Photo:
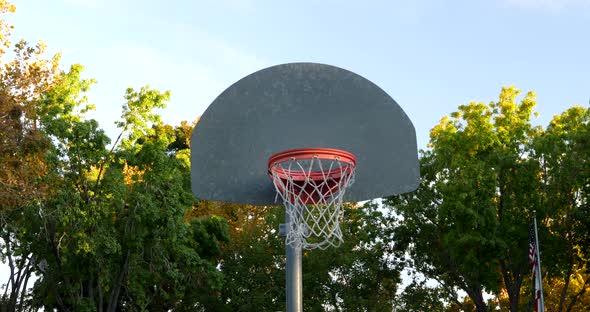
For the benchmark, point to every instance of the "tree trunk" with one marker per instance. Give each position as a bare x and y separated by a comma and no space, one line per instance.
507,282
100,299
114,297
55,250
513,284
472,289
480,305
24,290
514,295
9,306
90,290
20,270
566,284
511,273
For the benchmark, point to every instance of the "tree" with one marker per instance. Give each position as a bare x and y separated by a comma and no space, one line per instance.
252,262
563,152
22,151
112,231
360,275
417,296
467,224
103,228
363,273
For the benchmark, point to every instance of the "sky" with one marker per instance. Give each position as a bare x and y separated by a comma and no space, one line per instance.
430,55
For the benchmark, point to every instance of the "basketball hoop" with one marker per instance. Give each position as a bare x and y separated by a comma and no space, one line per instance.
312,183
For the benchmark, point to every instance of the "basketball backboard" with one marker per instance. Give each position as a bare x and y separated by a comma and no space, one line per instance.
301,105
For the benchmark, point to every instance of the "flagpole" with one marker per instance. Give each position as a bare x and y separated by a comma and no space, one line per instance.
538,261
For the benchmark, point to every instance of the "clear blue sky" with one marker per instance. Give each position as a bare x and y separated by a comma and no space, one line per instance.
429,55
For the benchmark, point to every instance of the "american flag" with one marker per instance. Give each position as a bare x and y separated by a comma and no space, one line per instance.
534,261
532,250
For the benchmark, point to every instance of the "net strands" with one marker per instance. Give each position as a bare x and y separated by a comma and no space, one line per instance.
312,188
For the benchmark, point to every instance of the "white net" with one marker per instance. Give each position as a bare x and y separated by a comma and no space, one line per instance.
312,191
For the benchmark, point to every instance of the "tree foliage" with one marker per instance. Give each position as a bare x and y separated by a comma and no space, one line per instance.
103,228
360,275
563,152
105,225
23,149
487,170
113,229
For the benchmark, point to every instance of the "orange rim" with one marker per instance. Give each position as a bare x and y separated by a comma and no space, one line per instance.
347,159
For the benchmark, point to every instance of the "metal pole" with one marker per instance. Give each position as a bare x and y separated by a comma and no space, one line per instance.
538,261
294,285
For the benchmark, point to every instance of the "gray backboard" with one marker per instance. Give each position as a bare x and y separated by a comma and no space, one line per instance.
300,105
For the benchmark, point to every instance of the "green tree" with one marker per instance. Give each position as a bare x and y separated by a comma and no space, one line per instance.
360,275
563,152
111,234
253,261
467,224
419,296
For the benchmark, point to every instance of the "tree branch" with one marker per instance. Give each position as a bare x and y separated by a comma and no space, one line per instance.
24,285
100,170
578,295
